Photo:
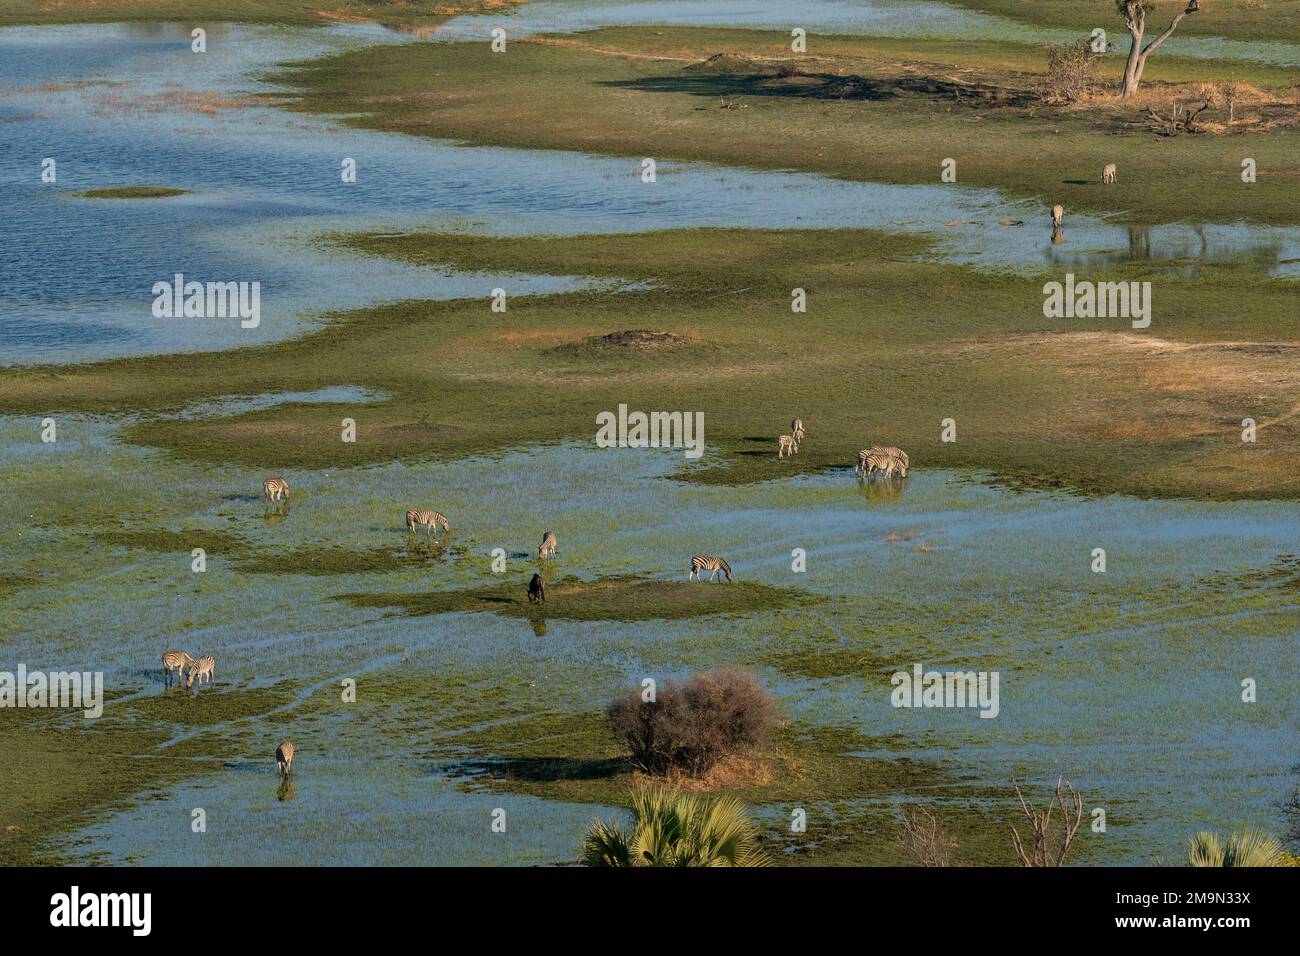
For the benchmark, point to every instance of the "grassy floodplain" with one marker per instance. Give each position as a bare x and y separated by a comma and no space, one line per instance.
404,13
860,108
894,342
133,192
1233,19
1131,411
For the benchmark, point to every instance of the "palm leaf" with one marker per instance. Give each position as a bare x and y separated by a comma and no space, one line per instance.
677,829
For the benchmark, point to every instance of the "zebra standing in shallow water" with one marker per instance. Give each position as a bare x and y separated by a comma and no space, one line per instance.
203,667
879,458
430,519
284,757
707,562
899,456
275,490
175,661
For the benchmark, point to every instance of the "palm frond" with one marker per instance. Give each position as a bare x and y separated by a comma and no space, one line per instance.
677,829
1252,848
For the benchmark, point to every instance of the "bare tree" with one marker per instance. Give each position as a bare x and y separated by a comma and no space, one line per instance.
1135,13
1048,849
924,840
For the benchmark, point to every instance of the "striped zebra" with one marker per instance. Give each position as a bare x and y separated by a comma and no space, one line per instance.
880,458
432,520
175,661
786,445
201,668
707,562
871,460
796,429
899,456
547,548
275,490
284,758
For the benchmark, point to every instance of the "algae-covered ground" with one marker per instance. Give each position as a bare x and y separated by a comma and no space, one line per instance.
1128,410
133,192
416,13
421,688
1236,19
862,108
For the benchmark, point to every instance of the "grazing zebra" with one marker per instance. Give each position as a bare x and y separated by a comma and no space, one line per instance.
201,668
430,519
706,562
275,490
796,429
175,661
284,757
1058,213
879,458
537,590
786,445
547,548
900,458
1108,174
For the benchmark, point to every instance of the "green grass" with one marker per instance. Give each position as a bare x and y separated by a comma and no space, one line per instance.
575,758
132,192
167,542
62,773
609,599
1270,20
294,12
1136,412
858,108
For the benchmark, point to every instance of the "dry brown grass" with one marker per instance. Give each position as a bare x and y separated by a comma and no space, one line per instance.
733,772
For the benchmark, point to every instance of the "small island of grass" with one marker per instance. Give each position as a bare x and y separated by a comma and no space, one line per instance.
132,192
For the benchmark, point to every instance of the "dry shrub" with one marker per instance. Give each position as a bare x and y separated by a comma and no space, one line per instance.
927,843
1071,69
693,725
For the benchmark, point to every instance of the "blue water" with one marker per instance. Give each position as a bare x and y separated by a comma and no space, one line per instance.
141,108
898,18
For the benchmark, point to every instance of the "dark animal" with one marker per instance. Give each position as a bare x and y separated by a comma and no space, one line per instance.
537,590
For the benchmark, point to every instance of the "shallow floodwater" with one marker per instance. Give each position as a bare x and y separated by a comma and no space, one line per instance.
139,107
899,18
1128,681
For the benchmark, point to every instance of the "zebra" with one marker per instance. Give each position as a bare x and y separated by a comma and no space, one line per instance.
900,459
1108,173
1058,213
432,520
175,661
796,429
537,590
786,445
547,548
275,490
705,562
204,666
284,758
879,458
